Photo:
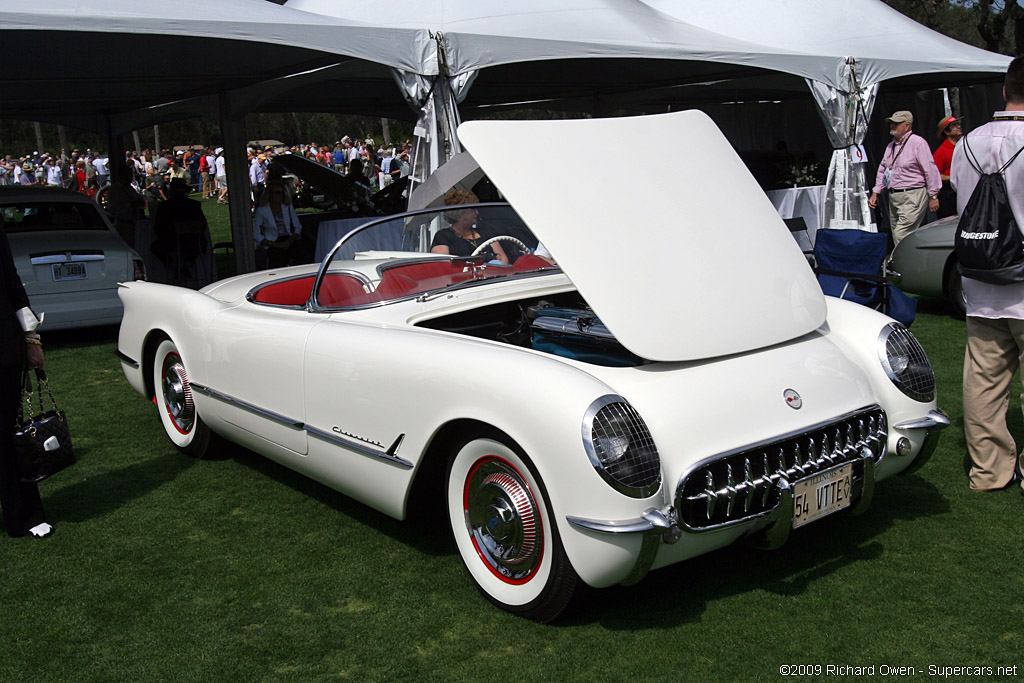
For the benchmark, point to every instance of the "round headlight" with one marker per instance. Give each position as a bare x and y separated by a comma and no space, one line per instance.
905,362
621,448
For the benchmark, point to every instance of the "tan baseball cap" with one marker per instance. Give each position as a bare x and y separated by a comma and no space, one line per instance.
902,116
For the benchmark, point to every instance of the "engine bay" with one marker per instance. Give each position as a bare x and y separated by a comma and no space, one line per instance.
560,324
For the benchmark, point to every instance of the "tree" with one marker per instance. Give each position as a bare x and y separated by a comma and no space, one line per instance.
992,25
996,25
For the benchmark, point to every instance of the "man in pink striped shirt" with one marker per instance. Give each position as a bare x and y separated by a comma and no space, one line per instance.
909,174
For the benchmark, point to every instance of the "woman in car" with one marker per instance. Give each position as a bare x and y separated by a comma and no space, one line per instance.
462,238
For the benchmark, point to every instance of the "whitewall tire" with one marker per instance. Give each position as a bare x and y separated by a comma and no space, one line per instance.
177,410
502,526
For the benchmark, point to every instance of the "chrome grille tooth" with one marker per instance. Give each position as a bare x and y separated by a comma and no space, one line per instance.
730,488
851,442
748,480
710,492
767,482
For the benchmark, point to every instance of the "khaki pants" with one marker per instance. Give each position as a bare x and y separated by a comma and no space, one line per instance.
995,349
907,210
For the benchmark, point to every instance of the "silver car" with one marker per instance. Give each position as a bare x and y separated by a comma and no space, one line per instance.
68,255
926,265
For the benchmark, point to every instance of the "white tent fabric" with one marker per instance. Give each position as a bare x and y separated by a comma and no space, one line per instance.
843,50
485,33
187,48
807,38
885,43
475,35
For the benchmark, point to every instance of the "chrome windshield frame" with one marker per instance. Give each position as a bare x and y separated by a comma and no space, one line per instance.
314,303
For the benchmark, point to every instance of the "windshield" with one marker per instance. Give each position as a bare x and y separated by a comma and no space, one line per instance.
418,253
43,216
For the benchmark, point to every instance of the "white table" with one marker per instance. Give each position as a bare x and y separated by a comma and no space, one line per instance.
804,202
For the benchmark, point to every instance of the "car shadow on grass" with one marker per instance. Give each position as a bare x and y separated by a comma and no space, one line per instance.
100,494
680,593
427,534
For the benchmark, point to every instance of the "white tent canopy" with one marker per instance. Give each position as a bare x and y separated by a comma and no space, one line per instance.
76,61
616,47
885,43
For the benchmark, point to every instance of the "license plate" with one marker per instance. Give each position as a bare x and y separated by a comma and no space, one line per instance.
69,271
822,494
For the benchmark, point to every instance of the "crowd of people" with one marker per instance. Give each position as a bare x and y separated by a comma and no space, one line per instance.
203,168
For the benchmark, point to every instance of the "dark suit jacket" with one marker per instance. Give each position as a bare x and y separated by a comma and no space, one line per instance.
12,299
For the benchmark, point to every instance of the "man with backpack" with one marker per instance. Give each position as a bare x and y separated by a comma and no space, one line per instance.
989,237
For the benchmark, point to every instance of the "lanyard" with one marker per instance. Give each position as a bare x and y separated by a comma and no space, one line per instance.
892,164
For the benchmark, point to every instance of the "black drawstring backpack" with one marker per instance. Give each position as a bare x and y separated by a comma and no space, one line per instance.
988,242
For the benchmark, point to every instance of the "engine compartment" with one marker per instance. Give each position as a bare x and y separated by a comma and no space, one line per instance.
560,324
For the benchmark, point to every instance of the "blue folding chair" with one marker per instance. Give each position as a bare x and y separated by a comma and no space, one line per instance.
851,266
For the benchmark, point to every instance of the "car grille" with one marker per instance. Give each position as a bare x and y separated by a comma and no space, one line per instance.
742,485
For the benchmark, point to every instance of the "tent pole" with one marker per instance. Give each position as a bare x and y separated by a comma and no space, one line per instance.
232,127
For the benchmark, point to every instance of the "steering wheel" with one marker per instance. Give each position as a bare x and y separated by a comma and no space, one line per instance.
498,238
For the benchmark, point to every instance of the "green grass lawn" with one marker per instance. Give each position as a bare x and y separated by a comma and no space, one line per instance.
164,568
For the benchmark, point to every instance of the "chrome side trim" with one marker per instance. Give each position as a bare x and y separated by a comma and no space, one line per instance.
393,448
281,419
386,456
134,364
932,424
64,258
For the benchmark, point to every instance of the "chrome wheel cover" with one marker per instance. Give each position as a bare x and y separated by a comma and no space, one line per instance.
177,394
503,520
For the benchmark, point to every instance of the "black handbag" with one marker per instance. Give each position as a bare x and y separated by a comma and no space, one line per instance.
42,443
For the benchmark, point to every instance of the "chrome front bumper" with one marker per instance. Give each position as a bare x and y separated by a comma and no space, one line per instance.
932,424
766,531
770,529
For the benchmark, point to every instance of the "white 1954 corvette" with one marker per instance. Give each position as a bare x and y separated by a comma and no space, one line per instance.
675,383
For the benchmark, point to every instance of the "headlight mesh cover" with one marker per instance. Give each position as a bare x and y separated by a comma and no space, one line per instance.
906,363
621,448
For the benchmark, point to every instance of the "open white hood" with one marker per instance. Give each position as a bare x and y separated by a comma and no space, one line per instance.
660,226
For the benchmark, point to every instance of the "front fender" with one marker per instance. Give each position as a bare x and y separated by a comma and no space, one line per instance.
152,309
855,329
